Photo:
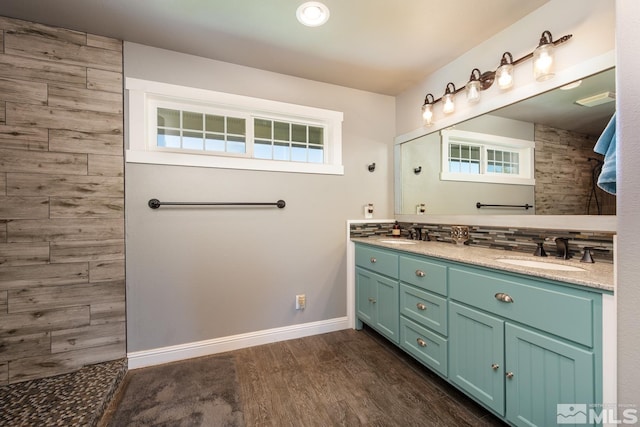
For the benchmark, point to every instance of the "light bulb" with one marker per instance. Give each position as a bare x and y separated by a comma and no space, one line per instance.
504,76
473,91
448,107
543,62
427,114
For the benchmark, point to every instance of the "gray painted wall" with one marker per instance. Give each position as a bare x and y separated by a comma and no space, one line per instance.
198,274
628,267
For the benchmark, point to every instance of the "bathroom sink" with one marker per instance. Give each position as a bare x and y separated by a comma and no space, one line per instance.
539,264
399,242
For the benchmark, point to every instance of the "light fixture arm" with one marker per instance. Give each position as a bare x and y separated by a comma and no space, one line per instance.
450,91
427,101
507,58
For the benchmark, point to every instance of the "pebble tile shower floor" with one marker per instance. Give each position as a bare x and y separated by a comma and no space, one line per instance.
75,399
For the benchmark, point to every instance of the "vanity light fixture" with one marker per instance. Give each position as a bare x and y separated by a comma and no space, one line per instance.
543,60
504,73
474,87
449,106
312,14
543,63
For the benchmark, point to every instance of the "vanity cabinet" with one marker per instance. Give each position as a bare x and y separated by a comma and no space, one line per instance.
517,344
377,291
531,340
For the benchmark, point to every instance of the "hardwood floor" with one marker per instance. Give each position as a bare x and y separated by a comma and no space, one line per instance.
347,378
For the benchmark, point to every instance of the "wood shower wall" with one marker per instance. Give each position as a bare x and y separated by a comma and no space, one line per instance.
62,290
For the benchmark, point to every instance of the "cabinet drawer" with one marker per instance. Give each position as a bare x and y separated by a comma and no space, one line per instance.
423,307
378,260
424,345
567,313
424,274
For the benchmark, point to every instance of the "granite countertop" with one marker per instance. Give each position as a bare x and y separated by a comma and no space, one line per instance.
598,275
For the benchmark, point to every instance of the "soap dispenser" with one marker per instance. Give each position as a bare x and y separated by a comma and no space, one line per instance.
395,231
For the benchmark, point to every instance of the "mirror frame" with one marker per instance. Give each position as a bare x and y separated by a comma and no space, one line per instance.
604,223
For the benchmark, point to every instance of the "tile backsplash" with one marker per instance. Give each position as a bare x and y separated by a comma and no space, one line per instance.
514,239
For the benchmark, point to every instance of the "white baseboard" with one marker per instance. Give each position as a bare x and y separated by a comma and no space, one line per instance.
157,356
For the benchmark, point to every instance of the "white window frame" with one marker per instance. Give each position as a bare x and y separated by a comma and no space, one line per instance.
144,95
524,148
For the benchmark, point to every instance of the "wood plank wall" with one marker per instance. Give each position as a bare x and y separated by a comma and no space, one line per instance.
62,291
563,174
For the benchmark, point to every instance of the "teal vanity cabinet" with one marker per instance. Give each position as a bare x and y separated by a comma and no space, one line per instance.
515,343
377,290
521,345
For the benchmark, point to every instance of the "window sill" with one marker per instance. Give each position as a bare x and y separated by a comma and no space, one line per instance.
491,179
194,160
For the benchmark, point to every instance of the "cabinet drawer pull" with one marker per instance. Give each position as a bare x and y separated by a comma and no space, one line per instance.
420,273
421,306
503,297
372,300
373,260
495,366
421,342
509,375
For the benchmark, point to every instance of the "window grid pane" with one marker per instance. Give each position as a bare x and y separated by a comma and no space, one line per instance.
464,159
189,130
503,162
295,142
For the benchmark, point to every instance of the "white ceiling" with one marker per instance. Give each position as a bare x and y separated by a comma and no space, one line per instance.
381,46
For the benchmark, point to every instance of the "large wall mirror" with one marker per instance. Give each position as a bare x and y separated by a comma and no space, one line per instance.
564,167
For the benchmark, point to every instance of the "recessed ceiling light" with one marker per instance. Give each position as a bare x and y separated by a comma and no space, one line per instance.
312,14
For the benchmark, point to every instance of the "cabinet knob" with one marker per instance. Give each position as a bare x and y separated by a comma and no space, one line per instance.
372,300
509,375
373,260
421,342
503,297
421,306
420,273
495,366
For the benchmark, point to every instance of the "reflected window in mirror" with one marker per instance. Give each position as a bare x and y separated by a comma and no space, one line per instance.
479,157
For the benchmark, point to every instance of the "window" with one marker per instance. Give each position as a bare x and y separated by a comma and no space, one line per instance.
478,157
195,127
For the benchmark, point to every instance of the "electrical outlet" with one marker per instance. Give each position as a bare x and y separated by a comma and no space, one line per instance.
301,302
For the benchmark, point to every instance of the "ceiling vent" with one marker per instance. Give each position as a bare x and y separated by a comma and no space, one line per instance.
601,98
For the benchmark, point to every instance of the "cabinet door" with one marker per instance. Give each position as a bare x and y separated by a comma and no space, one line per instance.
377,303
387,308
476,355
365,294
546,372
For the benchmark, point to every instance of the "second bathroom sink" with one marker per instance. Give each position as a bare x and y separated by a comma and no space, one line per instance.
539,264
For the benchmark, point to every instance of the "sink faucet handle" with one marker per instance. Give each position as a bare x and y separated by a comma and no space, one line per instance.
586,256
540,250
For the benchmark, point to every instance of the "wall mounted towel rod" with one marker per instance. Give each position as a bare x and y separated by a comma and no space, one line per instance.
482,205
155,204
